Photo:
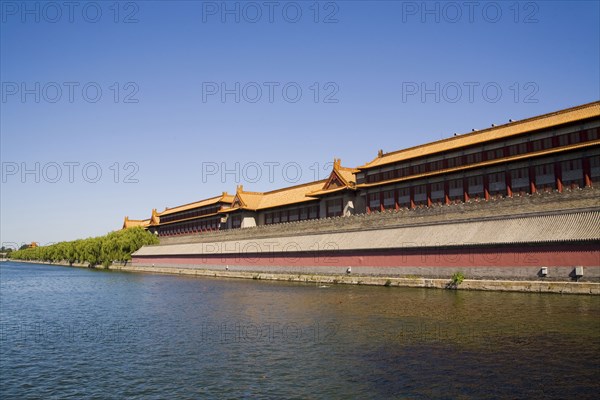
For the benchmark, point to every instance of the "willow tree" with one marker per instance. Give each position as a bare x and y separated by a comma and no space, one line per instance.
115,246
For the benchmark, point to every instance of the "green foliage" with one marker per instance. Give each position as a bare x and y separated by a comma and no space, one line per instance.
115,246
5,249
457,278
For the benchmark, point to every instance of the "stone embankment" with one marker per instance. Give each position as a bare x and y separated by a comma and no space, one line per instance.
562,287
589,288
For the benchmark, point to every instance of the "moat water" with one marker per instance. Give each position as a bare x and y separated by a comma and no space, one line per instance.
81,333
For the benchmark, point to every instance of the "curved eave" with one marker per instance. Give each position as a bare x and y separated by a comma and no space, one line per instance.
230,210
331,191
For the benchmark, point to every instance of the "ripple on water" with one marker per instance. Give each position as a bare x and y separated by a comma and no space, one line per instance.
78,333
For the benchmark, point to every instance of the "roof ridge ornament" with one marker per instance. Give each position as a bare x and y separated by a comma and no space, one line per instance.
380,153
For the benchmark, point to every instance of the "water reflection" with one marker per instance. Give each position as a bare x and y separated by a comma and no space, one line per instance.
70,332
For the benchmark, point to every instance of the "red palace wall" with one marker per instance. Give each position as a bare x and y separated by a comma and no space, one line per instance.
586,255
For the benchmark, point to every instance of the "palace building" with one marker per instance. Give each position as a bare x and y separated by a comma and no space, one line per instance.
548,153
332,197
188,219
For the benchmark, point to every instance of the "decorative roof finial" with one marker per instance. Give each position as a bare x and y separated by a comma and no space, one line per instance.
380,153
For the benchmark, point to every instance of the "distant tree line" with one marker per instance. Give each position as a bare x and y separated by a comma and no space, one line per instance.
101,250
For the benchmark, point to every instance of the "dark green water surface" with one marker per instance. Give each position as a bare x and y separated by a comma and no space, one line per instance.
80,333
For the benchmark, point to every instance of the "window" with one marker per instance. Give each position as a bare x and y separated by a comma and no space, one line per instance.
473,158
517,149
420,189
520,180
437,192
419,169
388,200
574,137
475,185
563,140
572,173
455,162
388,175
455,190
497,183
544,177
494,154
496,177
420,195
304,213
438,186
293,215
519,173
571,165
542,144
455,184
595,169
436,165
546,169
403,197
334,207
374,201
475,180
283,216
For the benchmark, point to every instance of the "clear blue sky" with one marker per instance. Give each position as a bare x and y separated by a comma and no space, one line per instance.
388,76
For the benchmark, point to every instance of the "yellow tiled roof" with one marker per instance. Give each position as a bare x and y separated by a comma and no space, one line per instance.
344,174
291,195
348,174
225,198
250,200
275,198
130,223
499,132
155,218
